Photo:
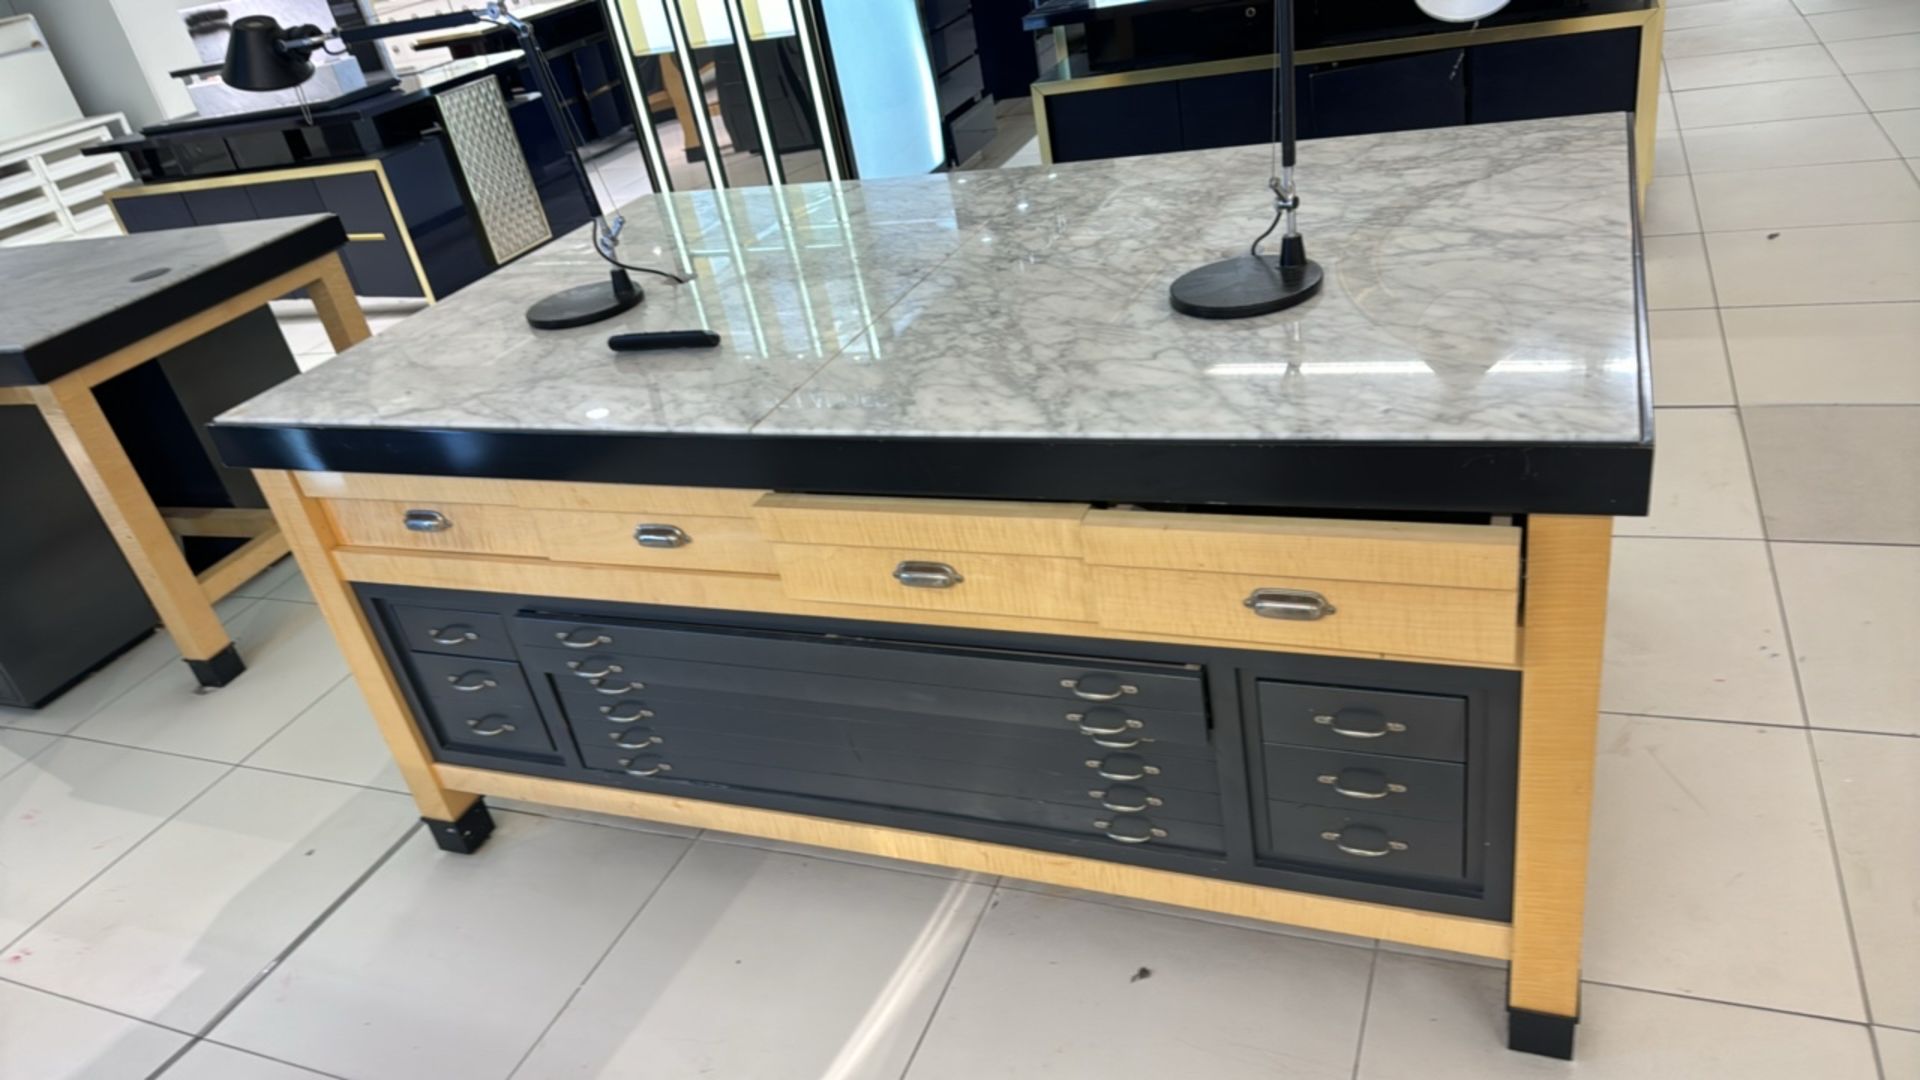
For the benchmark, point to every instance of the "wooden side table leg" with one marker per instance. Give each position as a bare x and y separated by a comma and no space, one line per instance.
87,439
1566,615
458,820
335,303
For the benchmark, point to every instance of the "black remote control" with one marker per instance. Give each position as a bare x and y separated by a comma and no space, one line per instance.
664,339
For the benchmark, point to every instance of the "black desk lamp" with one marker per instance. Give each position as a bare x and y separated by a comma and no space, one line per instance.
263,56
1253,284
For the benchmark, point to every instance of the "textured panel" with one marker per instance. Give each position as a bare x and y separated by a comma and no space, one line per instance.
494,168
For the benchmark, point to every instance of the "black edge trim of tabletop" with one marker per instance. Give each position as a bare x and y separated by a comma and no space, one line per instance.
47,360
1499,478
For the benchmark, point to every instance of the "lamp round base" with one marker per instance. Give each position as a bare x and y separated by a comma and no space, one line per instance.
1243,287
583,304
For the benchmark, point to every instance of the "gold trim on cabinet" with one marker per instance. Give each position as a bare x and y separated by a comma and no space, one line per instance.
303,172
365,237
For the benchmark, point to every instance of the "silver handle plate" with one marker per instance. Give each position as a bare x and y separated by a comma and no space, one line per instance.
926,575
1379,844
469,688
661,536
628,688
451,635
503,728
610,669
625,718
566,638
1297,605
426,521
1342,785
1085,694
1391,727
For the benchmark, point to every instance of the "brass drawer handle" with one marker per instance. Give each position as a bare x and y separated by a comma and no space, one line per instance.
1378,844
567,639
1118,727
1097,695
426,521
454,634
1342,784
503,728
661,536
469,688
626,740
610,669
1326,720
638,713
1298,605
926,575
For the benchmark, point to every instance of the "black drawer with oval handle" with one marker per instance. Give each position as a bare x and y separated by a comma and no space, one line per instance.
1376,721
1174,687
496,729
1407,787
471,683
454,633
1116,725
661,765
1364,842
1184,765
1058,778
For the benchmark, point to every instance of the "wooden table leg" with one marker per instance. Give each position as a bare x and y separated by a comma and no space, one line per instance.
1566,615
88,440
335,303
458,820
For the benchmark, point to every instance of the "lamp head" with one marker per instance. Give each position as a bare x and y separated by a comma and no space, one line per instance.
1460,11
262,56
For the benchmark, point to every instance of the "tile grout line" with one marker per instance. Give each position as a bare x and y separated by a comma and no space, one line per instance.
94,1005
959,959
1761,723
1731,1004
612,944
1366,1010
287,950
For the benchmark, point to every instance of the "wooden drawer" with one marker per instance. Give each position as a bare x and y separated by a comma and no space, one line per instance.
468,527
1023,585
668,540
1472,625
979,525
1407,553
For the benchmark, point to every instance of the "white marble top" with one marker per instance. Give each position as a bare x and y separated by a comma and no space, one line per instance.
1480,287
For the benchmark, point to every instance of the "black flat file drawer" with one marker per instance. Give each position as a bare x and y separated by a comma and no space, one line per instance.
1407,787
671,770
957,737
614,674
455,633
465,683
959,86
1141,684
1030,783
1366,842
950,44
1375,721
492,728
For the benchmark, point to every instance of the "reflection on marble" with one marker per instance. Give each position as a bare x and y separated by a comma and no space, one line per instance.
1480,286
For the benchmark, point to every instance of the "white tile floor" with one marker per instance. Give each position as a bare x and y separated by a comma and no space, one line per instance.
228,886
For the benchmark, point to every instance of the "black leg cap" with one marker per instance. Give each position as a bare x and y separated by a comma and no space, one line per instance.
465,835
220,669
1541,1033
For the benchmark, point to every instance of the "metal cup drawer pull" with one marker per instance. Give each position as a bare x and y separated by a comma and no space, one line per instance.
1131,830
634,739
661,536
926,575
426,521
601,686
1121,768
610,668
481,682
1099,725
569,639
1361,784
1126,799
651,767
628,717
452,634
1086,693
501,728
1364,841
1390,727
1298,605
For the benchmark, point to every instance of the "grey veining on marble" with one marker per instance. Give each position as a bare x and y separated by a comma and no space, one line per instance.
50,289
1481,286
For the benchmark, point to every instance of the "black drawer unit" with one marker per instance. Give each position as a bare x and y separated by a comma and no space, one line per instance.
1378,781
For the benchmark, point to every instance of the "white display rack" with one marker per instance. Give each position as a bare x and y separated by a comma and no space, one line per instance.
49,190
